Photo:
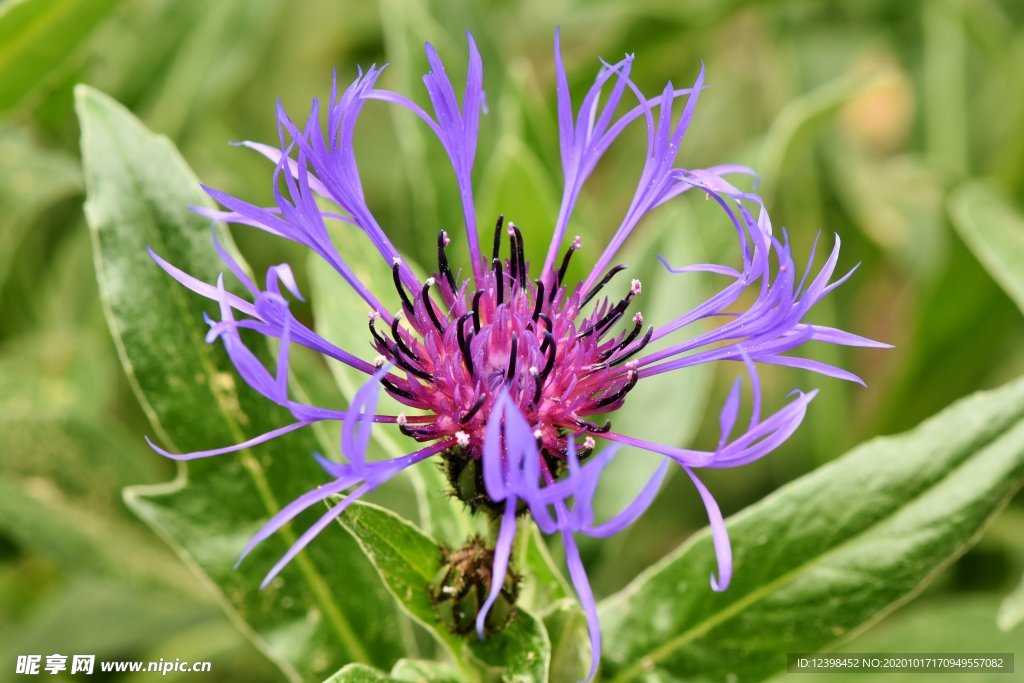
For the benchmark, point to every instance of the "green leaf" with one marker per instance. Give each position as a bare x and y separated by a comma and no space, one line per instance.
328,606
404,671
995,233
359,673
570,643
827,554
417,671
37,37
408,560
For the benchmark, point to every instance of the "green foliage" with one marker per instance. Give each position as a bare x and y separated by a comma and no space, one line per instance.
826,554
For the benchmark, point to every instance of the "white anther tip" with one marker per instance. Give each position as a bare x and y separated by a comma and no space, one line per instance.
635,287
379,361
589,442
462,438
402,420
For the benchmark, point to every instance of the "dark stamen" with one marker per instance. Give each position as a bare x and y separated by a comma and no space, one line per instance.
564,267
547,321
634,376
547,345
420,433
381,341
511,370
636,349
425,296
406,302
396,333
593,428
468,415
394,390
497,238
538,385
637,326
609,319
520,256
513,261
406,365
605,280
538,298
442,259
476,310
499,282
467,356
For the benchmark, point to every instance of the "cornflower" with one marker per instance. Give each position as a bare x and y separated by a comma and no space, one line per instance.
510,373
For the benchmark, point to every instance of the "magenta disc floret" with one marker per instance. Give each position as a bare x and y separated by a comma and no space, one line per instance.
460,343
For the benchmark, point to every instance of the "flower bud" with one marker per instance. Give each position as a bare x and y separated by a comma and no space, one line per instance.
461,587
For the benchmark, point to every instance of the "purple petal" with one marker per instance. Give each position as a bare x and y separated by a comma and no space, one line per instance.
730,409
502,552
719,535
635,509
255,441
312,532
293,509
578,574
202,288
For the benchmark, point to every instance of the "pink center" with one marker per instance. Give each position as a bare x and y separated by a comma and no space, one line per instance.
560,364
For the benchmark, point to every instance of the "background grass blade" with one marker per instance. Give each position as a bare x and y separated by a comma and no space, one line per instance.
994,231
37,37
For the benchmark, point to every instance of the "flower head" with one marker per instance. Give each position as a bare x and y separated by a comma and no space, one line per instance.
513,373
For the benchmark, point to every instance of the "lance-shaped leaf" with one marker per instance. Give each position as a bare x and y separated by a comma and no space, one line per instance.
404,671
827,554
328,607
408,560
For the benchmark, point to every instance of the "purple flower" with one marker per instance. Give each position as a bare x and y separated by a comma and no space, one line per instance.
508,367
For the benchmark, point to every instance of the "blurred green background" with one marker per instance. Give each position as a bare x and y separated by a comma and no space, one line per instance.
864,118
